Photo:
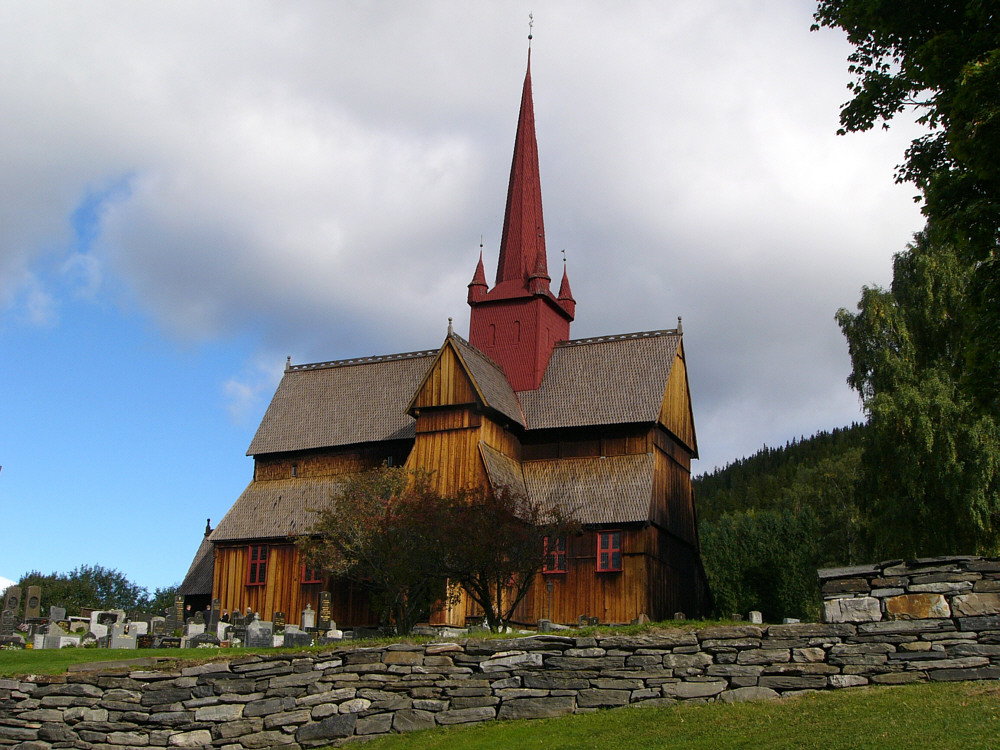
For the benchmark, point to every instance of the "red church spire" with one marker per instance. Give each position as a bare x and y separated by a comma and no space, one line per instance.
519,321
478,286
523,239
566,294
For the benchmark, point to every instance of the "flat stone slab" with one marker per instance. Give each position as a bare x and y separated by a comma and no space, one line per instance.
917,607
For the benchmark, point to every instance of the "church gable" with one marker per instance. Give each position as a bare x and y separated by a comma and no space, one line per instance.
675,411
447,383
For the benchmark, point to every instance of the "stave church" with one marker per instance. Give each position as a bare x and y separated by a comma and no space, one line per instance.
602,425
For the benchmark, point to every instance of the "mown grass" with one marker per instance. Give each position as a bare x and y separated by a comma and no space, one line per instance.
963,716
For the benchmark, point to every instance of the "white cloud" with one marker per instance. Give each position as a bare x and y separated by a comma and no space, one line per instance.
4,583
319,175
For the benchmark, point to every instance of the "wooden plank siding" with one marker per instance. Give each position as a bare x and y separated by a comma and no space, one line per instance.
675,412
446,384
282,590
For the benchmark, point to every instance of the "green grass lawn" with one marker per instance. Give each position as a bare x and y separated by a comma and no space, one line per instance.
963,716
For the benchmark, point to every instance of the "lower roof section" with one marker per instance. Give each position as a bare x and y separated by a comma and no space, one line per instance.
600,490
276,508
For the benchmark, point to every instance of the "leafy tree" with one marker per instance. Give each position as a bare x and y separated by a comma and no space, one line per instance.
931,463
380,533
940,58
763,560
160,600
494,542
87,586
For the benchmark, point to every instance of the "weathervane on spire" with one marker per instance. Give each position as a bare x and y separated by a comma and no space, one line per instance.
531,22
563,251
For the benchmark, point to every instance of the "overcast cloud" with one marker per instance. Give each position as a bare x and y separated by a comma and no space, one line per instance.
317,176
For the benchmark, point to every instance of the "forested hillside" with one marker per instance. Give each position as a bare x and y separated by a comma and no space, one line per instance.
767,522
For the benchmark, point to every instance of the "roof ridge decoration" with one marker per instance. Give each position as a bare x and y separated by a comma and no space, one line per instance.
361,360
619,337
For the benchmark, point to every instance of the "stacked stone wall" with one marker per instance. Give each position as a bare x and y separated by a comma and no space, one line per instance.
311,699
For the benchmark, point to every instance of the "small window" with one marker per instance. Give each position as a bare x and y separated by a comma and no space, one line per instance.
295,470
257,565
311,575
555,555
609,550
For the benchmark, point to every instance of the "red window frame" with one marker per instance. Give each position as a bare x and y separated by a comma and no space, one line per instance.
257,565
609,551
555,555
311,575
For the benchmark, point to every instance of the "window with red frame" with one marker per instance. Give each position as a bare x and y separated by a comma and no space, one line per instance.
555,555
311,575
609,550
257,565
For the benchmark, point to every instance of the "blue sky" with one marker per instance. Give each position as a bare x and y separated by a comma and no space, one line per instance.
216,187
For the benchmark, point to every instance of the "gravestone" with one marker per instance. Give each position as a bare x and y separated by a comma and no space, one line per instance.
158,626
178,610
279,620
144,641
325,611
222,631
56,637
259,635
194,628
12,599
101,631
8,622
198,619
203,639
33,605
214,614
57,613
121,639
138,627
238,620
168,641
108,619
89,640
308,617
296,638
757,618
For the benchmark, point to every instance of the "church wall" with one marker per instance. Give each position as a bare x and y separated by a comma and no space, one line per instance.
282,590
331,462
675,411
613,597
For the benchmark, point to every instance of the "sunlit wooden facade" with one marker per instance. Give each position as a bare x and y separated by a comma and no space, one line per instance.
601,427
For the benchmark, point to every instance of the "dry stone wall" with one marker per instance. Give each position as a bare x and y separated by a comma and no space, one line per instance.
311,699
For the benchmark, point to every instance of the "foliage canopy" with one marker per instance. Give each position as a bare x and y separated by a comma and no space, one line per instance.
94,587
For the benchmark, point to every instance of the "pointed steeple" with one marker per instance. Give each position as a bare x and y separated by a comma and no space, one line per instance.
523,239
478,285
566,294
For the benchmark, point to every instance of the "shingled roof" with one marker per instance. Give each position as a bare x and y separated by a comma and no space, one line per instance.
276,508
601,490
198,580
332,404
607,380
490,379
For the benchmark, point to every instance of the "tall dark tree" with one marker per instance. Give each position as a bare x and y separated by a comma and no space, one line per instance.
87,586
381,533
495,543
940,58
931,464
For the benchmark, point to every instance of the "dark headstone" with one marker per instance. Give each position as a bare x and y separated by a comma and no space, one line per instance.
12,599
297,639
8,622
198,619
203,639
178,610
325,614
279,620
259,635
238,620
158,626
214,614
33,605
168,641
11,641
144,641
